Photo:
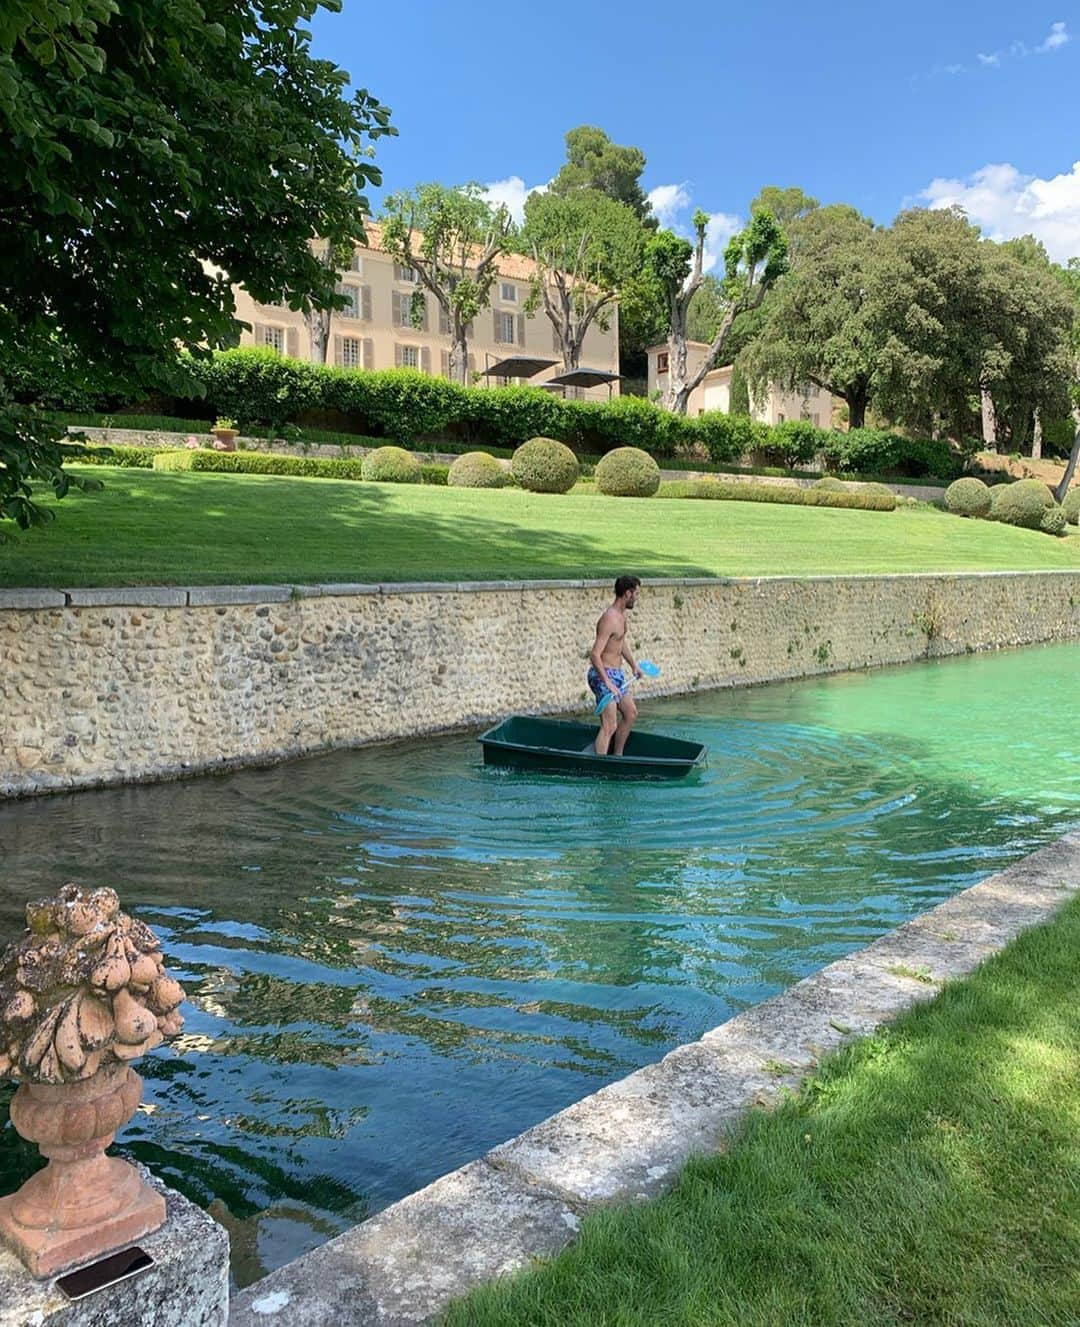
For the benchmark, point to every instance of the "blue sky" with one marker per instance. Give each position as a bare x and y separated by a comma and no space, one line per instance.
879,106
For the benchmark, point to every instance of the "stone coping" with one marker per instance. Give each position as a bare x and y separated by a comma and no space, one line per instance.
628,1141
198,596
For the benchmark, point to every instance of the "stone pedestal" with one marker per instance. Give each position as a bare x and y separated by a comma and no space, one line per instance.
188,1285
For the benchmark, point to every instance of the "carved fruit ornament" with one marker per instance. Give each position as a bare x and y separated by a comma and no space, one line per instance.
83,988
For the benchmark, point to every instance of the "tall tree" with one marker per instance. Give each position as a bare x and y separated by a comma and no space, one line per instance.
790,207
153,155
1069,277
754,260
818,324
452,239
317,317
587,248
594,162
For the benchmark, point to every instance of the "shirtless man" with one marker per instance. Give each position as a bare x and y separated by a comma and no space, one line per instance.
607,675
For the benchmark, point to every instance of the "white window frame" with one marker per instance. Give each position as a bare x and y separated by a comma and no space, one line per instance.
508,292
352,312
408,275
278,343
406,351
357,265
352,352
507,338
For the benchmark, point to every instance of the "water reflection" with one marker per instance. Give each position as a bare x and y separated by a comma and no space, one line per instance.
397,959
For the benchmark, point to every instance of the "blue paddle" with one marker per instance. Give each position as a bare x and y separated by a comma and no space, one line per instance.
647,667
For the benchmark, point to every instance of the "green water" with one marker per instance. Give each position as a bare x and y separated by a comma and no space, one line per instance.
397,958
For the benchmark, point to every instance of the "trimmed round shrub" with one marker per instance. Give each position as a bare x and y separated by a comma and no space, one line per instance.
1021,503
391,465
1054,521
543,465
882,491
830,485
1071,506
627,472
968,497
476,470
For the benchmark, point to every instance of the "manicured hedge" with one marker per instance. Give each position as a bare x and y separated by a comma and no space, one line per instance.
628,472
1022,503
264,463
1071,506
136,458
856,499
262,390
968,497
390,465
543,465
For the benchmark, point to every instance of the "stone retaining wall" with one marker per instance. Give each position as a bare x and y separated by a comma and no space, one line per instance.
102,686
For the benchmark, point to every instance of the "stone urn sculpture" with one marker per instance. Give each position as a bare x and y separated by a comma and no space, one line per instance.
83,993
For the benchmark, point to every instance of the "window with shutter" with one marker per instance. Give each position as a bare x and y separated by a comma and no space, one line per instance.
508,292
520,329
662,362
369,353
365,303
351,294
444,322
410,357
358,262
351,352
272,337
404,274
505,328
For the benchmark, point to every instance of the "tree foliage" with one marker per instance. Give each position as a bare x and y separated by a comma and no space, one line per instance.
588,249
595,163
453,239
754,260
153,155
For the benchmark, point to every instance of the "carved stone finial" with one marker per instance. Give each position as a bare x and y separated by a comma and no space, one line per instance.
83,987
82,993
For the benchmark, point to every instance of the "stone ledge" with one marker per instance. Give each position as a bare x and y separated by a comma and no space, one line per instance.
32,598
207,595
188,1286
136,596
405,1265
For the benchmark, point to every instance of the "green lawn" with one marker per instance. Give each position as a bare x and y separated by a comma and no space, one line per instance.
929,1175
149,527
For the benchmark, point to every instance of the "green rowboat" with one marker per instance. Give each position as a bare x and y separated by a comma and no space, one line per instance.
556,746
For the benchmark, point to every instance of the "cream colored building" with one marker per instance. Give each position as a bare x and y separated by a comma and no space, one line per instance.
376,331
714,391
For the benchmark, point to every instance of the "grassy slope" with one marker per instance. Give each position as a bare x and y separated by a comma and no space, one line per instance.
156,528
929,1175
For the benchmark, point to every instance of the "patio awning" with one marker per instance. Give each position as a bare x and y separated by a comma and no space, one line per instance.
585,378
518,366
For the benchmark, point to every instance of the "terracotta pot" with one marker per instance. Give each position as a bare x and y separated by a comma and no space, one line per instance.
83,1204
227,438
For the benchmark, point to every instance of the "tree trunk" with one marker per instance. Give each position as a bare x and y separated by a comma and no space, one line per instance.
459,357
856,405
989,423
1036,436
1070,469
318,321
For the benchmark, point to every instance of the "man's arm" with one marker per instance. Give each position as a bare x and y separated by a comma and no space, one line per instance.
604,629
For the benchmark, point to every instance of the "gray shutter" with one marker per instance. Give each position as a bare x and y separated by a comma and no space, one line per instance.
397,271
292,343
444,360
339,356
521,329
395,308
260,334
444,322
365,303
397,356
498,329
472,365
425,360
424,321
369,353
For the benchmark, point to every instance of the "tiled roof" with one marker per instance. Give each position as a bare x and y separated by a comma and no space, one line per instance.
513,265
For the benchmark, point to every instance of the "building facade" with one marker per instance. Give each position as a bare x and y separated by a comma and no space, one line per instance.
714,391
375,330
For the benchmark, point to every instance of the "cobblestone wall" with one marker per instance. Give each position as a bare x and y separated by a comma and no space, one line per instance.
105,686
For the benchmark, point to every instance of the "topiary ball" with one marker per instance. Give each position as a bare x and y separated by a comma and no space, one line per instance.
391,465
543,465
476,470
830,485
627,472
1071,506
880,491
1021,503
969,497
1054,521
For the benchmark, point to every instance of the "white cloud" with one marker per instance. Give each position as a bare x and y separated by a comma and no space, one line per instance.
1058,36
512,193
721,227
667,201
1005,203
